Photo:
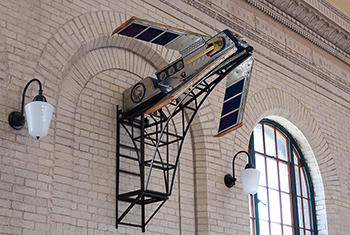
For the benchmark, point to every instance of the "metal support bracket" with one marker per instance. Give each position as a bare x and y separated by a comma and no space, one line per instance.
163,132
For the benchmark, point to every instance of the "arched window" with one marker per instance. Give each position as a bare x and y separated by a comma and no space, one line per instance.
284,204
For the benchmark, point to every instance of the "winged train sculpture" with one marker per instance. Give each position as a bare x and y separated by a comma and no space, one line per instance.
201,57
184,83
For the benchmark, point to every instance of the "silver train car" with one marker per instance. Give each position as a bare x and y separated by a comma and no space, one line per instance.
142,95
200,56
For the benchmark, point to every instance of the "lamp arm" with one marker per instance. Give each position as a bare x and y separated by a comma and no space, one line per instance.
231,179
233,161
25,89
16,119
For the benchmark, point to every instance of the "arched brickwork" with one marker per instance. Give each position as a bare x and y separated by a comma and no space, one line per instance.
200,150
86,32
90,168
292,114
269,103
212,158
83,34
86,74
86,128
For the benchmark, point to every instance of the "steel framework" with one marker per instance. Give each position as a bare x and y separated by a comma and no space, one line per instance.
163,132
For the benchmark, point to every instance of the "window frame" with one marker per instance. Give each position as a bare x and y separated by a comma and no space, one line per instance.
292,144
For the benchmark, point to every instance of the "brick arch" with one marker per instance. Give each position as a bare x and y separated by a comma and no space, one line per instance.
85,136
269,103
86,68
199,131
68,63
72,141
78,37
294,116
83,34
212,159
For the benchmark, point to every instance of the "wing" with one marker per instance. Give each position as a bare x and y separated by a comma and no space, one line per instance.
235,96
160,34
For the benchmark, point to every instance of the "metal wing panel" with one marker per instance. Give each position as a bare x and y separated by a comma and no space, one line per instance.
160,34
235,97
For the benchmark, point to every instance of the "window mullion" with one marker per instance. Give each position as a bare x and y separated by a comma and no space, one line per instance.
311,201
267,182
294,190
279,181
255,197
302,196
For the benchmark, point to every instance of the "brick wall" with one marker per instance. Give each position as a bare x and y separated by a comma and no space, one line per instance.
65,182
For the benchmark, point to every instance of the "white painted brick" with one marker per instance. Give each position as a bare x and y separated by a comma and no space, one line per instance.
34,217
22,223
74,166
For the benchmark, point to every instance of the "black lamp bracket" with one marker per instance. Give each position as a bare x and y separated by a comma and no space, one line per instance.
17,119
231,179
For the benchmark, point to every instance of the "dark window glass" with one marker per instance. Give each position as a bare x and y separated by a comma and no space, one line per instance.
228,120
231,105
234,89
165,38
132,30
149,34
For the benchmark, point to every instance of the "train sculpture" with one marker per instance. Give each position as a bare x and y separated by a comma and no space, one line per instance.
201,57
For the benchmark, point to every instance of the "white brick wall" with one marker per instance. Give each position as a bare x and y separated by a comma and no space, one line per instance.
65,182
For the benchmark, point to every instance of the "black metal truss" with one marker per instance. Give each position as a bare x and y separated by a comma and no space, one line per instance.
155,131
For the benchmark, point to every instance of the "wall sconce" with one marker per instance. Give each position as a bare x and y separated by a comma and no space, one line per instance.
250,176
39,114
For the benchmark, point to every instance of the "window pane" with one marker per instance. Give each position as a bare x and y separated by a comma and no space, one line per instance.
296,159
262,196
251,207
260,165
276,229
282,147
286,209
306,214
284,177
303,183
297,180
300,213
264,227
258,139
272,173
275,206
270,141
276,189
252,226
287,230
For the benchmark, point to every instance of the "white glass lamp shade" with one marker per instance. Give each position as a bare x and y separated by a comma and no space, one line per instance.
38,115
250,180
